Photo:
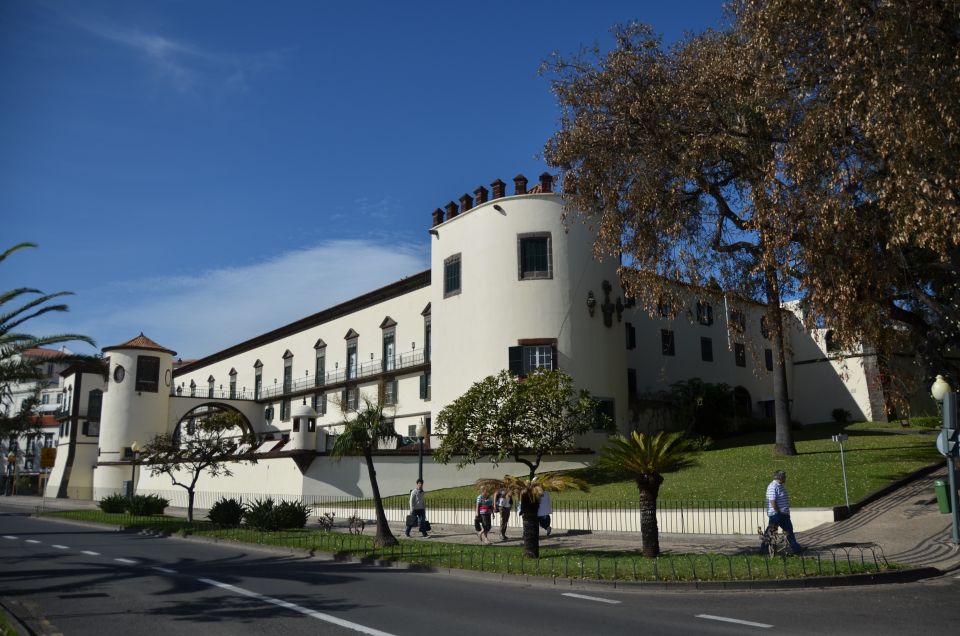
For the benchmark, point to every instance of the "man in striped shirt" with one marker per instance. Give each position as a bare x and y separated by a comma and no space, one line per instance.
778,509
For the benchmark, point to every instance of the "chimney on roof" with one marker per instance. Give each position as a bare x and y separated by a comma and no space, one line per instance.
466,202
499,189
480,194
546,182
451,210
437,217
520,184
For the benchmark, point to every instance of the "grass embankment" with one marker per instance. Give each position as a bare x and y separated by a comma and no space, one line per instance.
739,469
509,559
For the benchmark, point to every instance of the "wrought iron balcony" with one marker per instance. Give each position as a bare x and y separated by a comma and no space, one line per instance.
364,370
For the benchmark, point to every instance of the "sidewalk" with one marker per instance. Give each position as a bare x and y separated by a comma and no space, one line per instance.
906,524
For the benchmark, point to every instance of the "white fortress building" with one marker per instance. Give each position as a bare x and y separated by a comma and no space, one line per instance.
512,284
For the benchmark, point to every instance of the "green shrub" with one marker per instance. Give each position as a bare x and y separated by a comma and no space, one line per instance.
113,504
260,515
840,416
147,505
928,421
291,514
227,512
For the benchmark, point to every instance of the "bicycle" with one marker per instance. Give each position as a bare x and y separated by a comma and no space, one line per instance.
772,541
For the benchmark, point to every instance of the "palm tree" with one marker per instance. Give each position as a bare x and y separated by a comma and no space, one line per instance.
16,365
646,459
528,492
360,436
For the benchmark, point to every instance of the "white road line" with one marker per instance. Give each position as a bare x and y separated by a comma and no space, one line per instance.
90,552
591,598
734,620
130,561
164,570
296,608
60,547
32,541
7,536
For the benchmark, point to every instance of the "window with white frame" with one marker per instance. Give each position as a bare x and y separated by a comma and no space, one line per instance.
534,256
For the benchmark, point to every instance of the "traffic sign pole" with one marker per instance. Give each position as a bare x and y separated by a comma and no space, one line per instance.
950,431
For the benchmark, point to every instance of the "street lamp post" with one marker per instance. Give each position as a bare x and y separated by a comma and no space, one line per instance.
943,394
133,469
421,433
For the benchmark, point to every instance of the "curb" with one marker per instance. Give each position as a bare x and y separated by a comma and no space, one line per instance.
910,575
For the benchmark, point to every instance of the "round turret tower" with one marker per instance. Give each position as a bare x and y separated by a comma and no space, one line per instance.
303,435
135,408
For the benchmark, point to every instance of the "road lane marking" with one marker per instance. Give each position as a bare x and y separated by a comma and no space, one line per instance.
90,552
60,547
7,536
130,561
363,629
733,620
32,541
591,598
164,570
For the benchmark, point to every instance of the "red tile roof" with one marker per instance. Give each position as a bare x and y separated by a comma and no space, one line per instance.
39,352
141,342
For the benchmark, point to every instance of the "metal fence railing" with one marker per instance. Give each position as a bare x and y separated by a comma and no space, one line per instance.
681,517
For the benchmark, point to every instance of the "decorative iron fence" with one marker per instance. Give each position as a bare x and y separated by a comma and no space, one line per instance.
681,517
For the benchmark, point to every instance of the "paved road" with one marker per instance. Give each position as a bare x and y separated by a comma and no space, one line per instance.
90,581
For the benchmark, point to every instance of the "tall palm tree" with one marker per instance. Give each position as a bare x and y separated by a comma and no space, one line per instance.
361,434
528,491
16,365
646,458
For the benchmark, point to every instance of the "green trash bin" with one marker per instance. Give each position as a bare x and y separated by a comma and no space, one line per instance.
943,497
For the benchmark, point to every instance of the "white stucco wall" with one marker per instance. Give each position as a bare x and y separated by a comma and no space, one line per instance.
473,330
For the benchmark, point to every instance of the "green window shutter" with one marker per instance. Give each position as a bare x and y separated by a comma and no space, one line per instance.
515,357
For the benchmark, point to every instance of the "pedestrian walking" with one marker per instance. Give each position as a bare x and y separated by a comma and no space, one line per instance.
504,506
482,521
544,510
778,509
418,511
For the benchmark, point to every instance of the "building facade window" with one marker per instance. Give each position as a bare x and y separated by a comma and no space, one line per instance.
740,354
320,368
535,256
389,349
233,384
631,336
425,386
706,349
828,341
738,321
352,358
211,383
148,373
284,410
667,344
426,338
350,397
94,404
764,327
287,372
45,398
451,276
257,379
390,390
704,313
193,388
526,358
768,359
605,415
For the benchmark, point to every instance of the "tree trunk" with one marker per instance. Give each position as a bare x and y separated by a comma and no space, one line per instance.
781,397
649,489
531,530
190,495
384,537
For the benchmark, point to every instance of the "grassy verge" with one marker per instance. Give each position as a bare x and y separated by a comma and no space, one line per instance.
577,564
739,469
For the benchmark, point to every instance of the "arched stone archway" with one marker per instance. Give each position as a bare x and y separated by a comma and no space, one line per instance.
208,408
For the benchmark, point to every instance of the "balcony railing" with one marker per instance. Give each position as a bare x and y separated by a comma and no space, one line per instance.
215,394
365,370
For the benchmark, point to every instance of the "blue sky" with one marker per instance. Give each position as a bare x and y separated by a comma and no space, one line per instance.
204,171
